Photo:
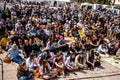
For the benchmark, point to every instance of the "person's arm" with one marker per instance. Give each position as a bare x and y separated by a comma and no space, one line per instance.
59,65
52,55
76,51
67,61
41,70
49,67
35,62
59,42
70,52
84,61
25,56
93,44
29,63
8,53
98,42
7,46
76,59
88,59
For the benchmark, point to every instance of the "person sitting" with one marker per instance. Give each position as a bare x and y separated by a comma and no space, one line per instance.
117,57
37,47
62,45
46,72
46,54
13,53
58,63
32,32
23,73
54,48
80,60
27,48
97,59
102,49
72,49
31,62
90,59
79,46
70,63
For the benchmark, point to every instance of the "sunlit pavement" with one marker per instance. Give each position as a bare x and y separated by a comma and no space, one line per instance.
106,72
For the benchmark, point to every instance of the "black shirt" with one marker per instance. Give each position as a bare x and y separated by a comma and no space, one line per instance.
27,49
2,32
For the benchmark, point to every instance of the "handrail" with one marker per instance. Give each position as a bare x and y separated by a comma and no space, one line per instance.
2,68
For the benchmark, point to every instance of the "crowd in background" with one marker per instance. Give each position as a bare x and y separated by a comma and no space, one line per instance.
40,33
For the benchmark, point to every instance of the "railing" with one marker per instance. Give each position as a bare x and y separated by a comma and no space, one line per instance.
1,63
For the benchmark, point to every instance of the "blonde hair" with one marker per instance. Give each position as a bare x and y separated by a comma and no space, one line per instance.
14,46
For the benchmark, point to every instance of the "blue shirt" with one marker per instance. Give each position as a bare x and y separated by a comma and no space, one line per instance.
13,53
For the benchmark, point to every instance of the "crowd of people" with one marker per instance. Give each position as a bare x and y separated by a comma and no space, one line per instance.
39,33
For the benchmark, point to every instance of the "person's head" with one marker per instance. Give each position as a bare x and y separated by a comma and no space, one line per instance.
55,45
72,56
38,42
8,20
59,55
45,64
26,42
32,56
103,45
14,46
81,54
73,45
22,65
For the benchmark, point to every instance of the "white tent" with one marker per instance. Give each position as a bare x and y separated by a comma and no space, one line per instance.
46,0
63,0
35,0
51,2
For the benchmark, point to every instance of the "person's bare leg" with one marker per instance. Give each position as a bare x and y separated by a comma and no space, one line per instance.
46,77
75,68
53,75
70,68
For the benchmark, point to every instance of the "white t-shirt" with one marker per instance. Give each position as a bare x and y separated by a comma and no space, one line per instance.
31,64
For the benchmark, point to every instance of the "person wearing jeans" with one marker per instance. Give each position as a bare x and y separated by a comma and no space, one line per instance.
31,62
23,73
13,53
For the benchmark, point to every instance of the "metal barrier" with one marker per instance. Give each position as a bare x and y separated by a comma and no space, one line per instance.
1,63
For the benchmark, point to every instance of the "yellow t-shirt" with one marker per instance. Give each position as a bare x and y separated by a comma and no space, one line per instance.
4,41
81,33
92,32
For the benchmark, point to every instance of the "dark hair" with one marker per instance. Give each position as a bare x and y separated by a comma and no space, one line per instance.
22,64
72,59
32,55
92,54
44,62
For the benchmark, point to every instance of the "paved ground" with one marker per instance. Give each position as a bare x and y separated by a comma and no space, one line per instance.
106,72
